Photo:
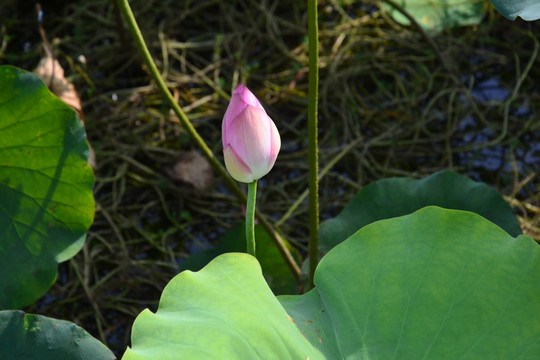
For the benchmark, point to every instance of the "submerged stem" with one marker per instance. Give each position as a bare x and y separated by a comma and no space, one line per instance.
250,217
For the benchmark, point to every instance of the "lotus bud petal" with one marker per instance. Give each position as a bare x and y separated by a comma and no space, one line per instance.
251,141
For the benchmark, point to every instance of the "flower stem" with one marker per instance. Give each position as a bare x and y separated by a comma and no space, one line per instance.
250,217
160,83
313,155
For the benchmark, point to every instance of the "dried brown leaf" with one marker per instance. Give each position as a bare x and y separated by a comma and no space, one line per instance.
52,74
191,168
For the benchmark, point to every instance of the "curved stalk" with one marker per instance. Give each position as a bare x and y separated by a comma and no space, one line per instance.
220,169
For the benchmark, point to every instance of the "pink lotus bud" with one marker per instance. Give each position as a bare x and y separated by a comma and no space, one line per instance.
251,140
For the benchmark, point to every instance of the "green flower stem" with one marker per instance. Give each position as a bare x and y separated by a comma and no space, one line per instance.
313,156
250,217
160,83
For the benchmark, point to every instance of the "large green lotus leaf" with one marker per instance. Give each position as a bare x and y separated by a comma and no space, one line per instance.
526,9
224,311
275,270
437,15
27,337
394,197
436,284
46,202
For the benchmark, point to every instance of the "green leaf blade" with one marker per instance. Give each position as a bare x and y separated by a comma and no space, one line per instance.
27,337
394,197
434,284
225,311
528,10
47,203
437,15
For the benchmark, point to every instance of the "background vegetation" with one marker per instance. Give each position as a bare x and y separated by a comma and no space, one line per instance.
391,104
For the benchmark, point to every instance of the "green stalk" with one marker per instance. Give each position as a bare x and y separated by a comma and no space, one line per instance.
313,157
250,217
160,83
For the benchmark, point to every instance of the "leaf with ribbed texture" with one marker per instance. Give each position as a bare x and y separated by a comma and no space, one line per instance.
393,197
35,337
46,206
224,311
